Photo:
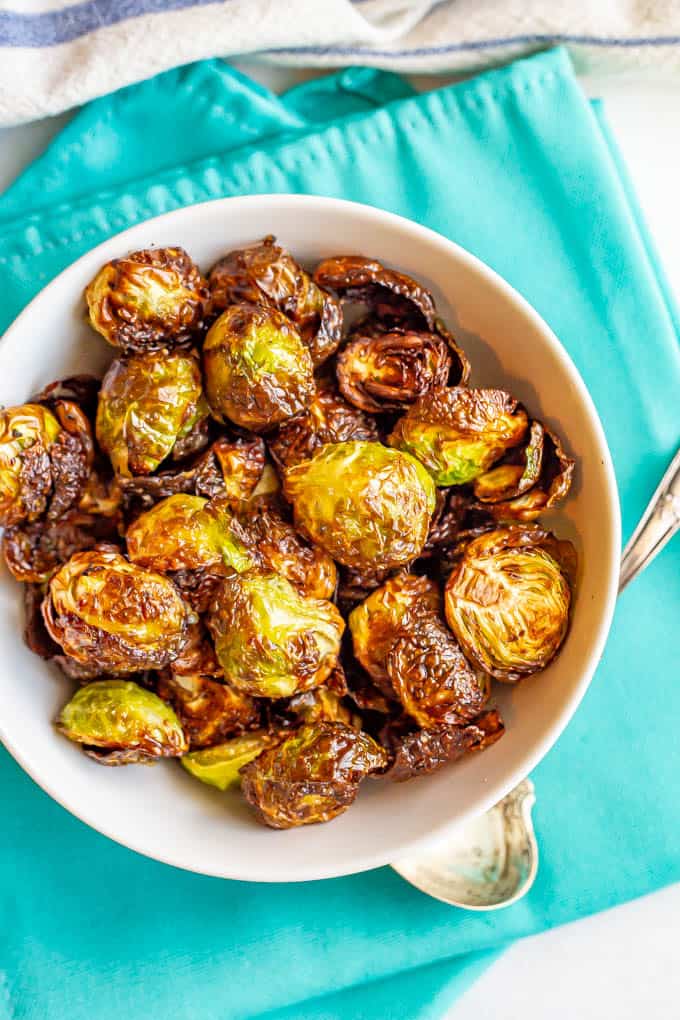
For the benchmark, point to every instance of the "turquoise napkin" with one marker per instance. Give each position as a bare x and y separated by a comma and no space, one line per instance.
520,169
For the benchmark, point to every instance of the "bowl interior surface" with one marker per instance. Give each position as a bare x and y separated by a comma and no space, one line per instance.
162,811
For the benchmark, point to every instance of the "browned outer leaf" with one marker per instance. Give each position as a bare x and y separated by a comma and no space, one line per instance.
34,551
327,419
391,293
419,752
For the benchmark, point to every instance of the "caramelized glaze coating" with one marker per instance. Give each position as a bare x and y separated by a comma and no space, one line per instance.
148,300
266,274
313,775
113,616
507,600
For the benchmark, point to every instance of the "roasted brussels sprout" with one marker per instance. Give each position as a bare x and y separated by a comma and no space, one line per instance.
34,551
119,715
113,615
188,533
257,370
271,641
385,370
458,433
44,461
266,274
35,633
393,295
82,390
432,678
328,419
146,403
221,764
529,480
312,775
209,711
318,705
391,610
368,506
277,547
149,300
417,752
507,600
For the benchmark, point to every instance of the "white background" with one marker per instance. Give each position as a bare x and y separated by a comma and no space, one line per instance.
624,963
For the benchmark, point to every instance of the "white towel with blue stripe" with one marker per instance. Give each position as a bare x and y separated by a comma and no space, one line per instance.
55,54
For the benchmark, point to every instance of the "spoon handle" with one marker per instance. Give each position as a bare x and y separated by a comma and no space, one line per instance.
658,524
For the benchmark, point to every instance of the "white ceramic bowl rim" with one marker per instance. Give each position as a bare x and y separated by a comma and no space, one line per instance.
142,235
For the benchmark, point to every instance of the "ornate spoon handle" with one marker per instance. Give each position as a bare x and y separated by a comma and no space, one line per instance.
657,526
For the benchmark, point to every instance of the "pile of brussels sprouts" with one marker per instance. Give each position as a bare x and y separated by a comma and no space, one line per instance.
289,552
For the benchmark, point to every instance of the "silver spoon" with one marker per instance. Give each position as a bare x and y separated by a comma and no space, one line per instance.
492,861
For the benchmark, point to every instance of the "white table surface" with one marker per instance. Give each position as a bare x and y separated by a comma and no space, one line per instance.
623,963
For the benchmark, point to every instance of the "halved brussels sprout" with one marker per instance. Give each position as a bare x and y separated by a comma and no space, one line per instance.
312,775
386,370
368,506
186,532
393,295
210,711
529,480
33,552
121,715
327,419
278,548
113,615
257,370
432,678
36,461
418,752
221,764
146,403
266,274
377,623
271,641
150,299
458,433
507,600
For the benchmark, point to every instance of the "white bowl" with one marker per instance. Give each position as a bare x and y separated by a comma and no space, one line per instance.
164,813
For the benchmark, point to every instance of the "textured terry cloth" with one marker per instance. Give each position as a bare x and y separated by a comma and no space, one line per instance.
55,54
517,167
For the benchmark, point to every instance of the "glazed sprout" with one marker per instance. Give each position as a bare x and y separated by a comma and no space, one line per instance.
458,433
266,274
376,624
279,549
270,640
210,711
432,678
33,552
368,506
114,616
42,462
118,715
418,752
392,295
507,600
149,300
147,403
529,480
221,764
186,532
381,370
257,370
313,775
327,419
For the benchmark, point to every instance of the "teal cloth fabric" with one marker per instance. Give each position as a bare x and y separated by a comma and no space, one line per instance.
519,168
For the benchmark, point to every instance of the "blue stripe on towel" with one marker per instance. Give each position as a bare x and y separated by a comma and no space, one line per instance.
53,27
483,44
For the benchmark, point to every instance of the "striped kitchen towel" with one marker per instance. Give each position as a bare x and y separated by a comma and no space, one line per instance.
55,54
